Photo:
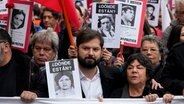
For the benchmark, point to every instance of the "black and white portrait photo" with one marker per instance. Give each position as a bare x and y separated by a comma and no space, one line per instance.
64,84
150,12
63,79
128,15
18,19
106,26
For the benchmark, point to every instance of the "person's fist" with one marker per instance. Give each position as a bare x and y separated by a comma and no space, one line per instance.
28,96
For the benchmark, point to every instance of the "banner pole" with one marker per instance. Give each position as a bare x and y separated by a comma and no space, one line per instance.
66,20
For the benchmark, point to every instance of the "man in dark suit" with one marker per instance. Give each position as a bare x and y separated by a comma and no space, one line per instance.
96,81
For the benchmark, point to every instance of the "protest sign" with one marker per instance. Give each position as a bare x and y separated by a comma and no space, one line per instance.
19,24
103,20
131,21
63,79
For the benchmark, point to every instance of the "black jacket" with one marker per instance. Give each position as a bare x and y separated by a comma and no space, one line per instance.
24,71
41,87
124,92
64,44
108,81
158,72
173,72
26,74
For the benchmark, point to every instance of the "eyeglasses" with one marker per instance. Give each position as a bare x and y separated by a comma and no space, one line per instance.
150,50
44,49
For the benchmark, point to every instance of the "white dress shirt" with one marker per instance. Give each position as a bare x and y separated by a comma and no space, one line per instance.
92,88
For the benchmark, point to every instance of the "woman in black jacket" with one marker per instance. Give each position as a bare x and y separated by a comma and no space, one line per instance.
138,72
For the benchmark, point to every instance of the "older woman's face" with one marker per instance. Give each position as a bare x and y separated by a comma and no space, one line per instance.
43,52
151,50
136,73
64,82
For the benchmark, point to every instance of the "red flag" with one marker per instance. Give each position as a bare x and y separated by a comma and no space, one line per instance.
72,13
68,5
52,4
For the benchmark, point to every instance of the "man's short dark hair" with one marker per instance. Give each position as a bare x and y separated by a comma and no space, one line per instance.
149,5
87,35
4,36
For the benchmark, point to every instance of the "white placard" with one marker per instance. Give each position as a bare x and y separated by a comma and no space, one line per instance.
19,24
131,21
103,20
3,9
63,79
153,10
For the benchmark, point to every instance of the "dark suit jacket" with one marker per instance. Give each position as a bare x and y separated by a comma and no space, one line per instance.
64,44
124,92
172,77
107,80
24,71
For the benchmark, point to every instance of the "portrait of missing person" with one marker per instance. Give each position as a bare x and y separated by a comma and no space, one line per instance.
150,12
106,26
128,15
65,84
18,19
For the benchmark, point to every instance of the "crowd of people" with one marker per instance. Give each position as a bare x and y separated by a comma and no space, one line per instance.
154,70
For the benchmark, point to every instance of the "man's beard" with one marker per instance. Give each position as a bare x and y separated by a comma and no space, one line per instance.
88,62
